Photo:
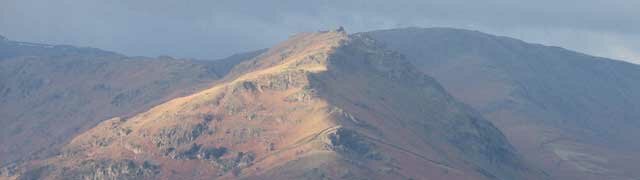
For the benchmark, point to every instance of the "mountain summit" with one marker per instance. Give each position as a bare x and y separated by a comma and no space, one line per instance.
319,105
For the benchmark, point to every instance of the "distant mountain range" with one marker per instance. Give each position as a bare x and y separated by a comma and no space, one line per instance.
412,103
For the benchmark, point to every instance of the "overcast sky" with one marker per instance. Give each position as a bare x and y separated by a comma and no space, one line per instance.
210,29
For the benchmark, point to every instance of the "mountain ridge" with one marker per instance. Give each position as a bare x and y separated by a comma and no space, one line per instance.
401,103
309,97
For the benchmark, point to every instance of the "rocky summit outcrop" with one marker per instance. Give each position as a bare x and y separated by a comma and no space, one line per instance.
321,105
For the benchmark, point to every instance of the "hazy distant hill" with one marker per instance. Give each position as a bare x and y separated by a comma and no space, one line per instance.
49,93
578,116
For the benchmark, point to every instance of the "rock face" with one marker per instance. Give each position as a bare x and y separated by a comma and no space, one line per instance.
574,115
50,93
320,105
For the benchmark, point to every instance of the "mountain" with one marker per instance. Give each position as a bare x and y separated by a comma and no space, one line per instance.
13,49
574,115
50,93
321,105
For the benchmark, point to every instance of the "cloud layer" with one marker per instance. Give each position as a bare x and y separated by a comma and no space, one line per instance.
216,28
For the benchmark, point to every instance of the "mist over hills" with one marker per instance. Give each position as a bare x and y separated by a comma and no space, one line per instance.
413,103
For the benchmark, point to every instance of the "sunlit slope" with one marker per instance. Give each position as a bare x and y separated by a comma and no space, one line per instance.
50,93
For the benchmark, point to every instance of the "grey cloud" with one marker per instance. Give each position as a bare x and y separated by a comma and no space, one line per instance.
216,28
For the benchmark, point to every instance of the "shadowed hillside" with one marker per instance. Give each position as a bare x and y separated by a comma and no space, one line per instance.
576,115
